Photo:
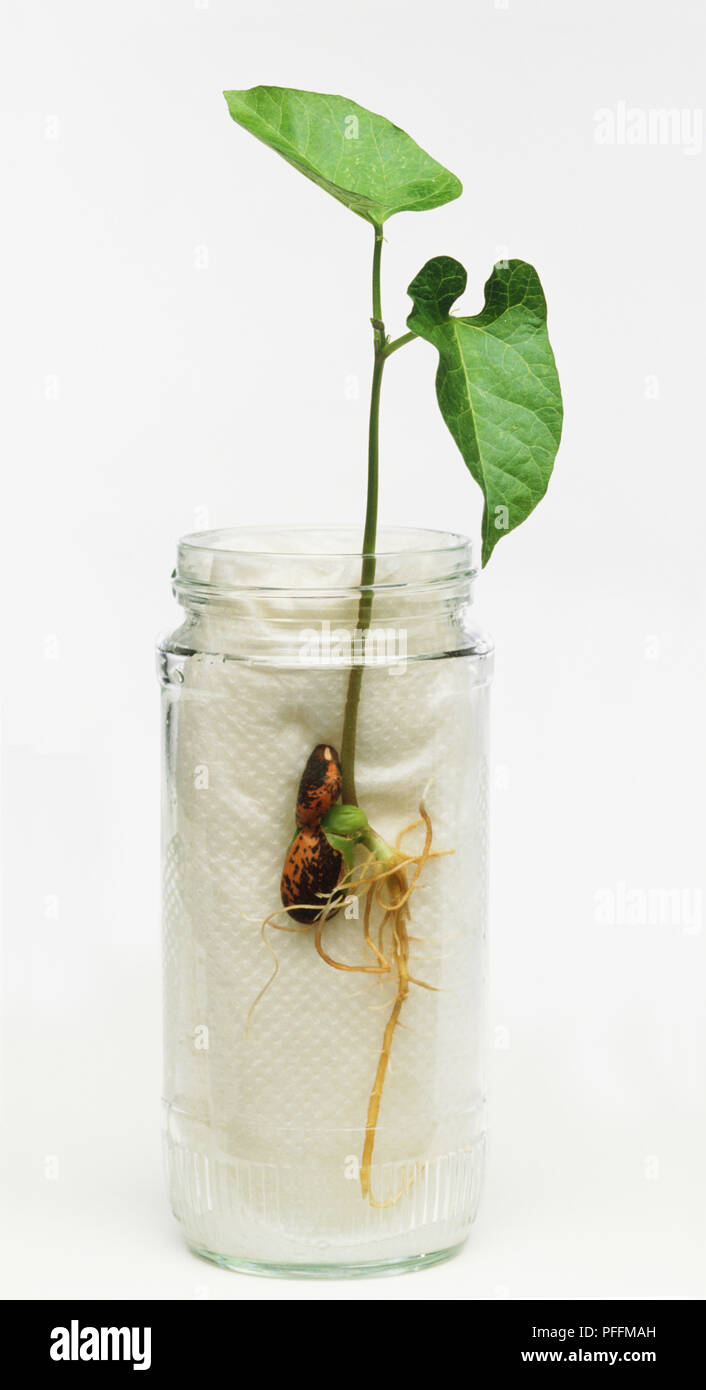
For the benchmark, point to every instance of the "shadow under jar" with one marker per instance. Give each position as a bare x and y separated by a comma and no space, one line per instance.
322,1120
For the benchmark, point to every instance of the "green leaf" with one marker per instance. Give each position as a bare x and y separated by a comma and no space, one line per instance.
496,384
343,825
345,847
359,158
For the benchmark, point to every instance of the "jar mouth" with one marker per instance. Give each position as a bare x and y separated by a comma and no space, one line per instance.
318,560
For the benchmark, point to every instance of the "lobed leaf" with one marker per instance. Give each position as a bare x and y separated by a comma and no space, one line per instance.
496,384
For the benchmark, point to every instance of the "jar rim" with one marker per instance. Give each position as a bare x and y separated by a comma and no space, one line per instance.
215,540
292,558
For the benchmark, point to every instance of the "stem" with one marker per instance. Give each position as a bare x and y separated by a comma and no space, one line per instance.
398,343
382,350
368,559
377,257
373,842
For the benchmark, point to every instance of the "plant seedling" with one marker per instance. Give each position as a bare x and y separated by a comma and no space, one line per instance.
496,382
498,392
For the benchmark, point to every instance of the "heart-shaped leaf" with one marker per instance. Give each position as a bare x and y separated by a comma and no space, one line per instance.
361,159
497,384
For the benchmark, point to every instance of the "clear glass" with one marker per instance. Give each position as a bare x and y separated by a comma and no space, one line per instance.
322,1120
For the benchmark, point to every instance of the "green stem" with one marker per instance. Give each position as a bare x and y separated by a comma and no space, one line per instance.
373,842
382,350
377,298
368,559
398,343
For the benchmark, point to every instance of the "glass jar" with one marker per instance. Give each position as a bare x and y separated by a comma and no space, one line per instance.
323,1101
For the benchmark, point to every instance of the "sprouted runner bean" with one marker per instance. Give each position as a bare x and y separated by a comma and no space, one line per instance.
258,1144
499,393
319,867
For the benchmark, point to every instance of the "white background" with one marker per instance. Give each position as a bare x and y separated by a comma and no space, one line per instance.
185,321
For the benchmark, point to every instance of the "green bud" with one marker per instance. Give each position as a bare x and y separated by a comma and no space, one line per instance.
344,820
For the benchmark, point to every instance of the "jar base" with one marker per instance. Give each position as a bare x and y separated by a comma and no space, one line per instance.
367,1269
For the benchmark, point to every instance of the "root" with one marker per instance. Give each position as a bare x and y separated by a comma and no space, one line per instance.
339,965
385,884
376,950
266,986
401,949
396,913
